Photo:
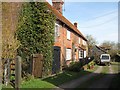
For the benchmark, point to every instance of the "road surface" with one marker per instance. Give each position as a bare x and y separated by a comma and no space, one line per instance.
108,73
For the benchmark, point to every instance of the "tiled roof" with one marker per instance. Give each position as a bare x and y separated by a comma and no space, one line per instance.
64,20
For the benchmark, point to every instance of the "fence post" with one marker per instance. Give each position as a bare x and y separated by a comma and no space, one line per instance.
17,72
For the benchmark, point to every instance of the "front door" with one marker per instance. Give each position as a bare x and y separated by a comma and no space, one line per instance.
56,60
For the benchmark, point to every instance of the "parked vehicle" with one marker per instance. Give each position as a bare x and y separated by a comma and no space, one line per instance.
105,59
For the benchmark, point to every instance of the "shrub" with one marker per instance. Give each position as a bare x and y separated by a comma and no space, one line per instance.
91,64
75,67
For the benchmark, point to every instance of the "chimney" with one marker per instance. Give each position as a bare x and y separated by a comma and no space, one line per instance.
57,4
75,24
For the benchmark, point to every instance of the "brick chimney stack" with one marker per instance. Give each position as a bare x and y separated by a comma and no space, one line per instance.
75,24
57,4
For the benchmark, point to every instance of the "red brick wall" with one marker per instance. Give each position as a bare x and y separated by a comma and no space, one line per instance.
64,43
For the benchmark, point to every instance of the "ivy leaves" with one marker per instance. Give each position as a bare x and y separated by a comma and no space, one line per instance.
36,32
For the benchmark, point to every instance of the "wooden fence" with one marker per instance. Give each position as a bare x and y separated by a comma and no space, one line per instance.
12,71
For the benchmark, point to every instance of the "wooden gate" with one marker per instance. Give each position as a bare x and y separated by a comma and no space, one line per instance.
37,65
56,60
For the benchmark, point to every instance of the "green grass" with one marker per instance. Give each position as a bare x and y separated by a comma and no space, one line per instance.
65,77
92,70
53,81
8,87
105,70
33,83
56,80
68,76
115,66
36,83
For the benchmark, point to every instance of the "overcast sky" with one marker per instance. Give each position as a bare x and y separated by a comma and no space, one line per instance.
99,19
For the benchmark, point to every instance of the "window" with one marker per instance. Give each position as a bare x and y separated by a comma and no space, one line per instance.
57,32
84,42
81,54
84,54
105,57
79,40
68,54
68,34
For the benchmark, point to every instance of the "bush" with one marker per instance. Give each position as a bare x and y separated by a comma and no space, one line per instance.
91,64
28,77
74,66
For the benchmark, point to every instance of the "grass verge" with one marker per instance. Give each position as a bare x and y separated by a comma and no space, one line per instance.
68,76
52,82
92,70
36,83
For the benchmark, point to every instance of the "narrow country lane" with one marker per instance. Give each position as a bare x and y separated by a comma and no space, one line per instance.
105,81
101,78
75,83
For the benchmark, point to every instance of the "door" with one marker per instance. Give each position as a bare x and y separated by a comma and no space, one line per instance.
56,60
37,65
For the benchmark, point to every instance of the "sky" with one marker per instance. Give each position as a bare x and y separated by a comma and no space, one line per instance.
99,19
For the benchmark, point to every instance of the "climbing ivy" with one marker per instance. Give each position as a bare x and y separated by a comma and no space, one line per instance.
36,32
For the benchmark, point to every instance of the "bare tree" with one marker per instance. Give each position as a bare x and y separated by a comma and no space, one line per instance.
9,23
91,43
111,47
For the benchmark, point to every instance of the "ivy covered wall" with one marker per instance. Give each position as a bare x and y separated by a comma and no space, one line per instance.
36,32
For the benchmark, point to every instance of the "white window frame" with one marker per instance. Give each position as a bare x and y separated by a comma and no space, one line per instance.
68,34
79,40
84,42
57,30
84,54
68,54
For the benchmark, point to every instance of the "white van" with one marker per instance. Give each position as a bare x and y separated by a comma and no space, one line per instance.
105,59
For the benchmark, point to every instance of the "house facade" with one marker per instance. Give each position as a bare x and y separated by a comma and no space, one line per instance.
70,42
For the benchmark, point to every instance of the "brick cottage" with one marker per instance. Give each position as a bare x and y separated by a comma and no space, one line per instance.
70,44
